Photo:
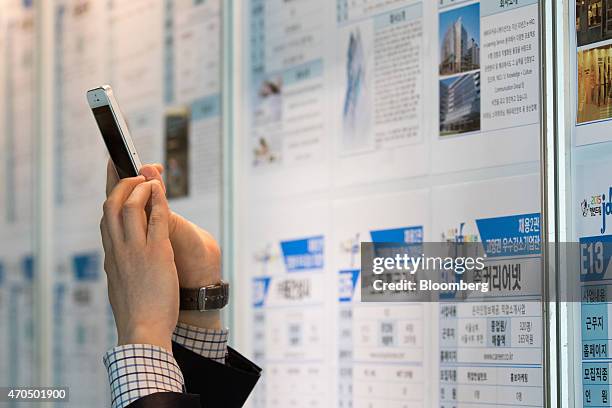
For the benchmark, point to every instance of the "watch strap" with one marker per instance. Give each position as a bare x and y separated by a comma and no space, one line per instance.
211,297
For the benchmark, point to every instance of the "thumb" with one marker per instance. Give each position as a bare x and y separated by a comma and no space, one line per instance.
153,172
158,219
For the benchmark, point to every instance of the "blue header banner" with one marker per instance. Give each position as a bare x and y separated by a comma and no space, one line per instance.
513,235
595,257
348,283
206,107
86,267
303,254
261,285
408,235
28,268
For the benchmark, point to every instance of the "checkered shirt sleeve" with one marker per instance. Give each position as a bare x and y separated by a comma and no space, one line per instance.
137,370
209,343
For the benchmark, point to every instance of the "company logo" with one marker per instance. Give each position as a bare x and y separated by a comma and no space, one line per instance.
458,235
266,256
606,209
591,206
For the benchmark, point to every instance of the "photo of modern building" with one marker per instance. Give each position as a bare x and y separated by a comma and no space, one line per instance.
459,40
593,21
460,104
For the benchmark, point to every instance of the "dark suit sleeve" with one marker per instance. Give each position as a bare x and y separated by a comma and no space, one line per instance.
209,384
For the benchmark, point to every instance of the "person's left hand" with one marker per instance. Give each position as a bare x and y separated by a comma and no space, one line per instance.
196,253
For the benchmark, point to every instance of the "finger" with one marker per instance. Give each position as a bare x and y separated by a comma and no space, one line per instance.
153,172
158,220
114,204
111,177
134,216
107,245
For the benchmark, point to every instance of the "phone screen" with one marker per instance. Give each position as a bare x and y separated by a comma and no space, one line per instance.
114,142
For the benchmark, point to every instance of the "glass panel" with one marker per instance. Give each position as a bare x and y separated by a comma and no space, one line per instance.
162,59
590,147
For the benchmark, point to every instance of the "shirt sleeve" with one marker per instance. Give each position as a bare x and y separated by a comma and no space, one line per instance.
137,370
208,343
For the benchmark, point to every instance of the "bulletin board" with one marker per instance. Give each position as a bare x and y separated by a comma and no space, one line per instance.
388,121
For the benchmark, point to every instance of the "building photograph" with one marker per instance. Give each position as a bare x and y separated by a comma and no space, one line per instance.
460,104
594,84
593,21
460,40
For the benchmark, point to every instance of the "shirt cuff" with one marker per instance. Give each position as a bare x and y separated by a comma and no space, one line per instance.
208,343
137,370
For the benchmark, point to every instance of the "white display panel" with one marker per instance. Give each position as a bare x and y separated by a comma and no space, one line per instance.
83,326
383,350
18,111
358,110
491,351
378,109
588,47
506,79
192,82
18,344
593,276
291,333
81,55
162,59
284,100
18,25
135,72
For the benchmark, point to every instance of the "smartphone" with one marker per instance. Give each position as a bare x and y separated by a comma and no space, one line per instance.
114,131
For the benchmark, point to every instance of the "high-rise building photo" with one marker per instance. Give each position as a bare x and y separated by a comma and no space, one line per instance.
459,40
460,104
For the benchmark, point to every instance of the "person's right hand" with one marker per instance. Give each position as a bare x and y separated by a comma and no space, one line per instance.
196,252
139,262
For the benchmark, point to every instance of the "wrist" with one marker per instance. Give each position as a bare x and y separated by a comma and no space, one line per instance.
146,336
210,319
199,279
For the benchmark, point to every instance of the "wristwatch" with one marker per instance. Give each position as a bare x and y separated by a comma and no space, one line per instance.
211,297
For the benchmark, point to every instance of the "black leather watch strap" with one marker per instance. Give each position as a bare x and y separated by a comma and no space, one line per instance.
212,297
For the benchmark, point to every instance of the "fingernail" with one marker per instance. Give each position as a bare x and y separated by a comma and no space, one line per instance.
148,172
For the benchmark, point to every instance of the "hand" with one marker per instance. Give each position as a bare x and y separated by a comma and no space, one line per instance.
196,253
139,263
